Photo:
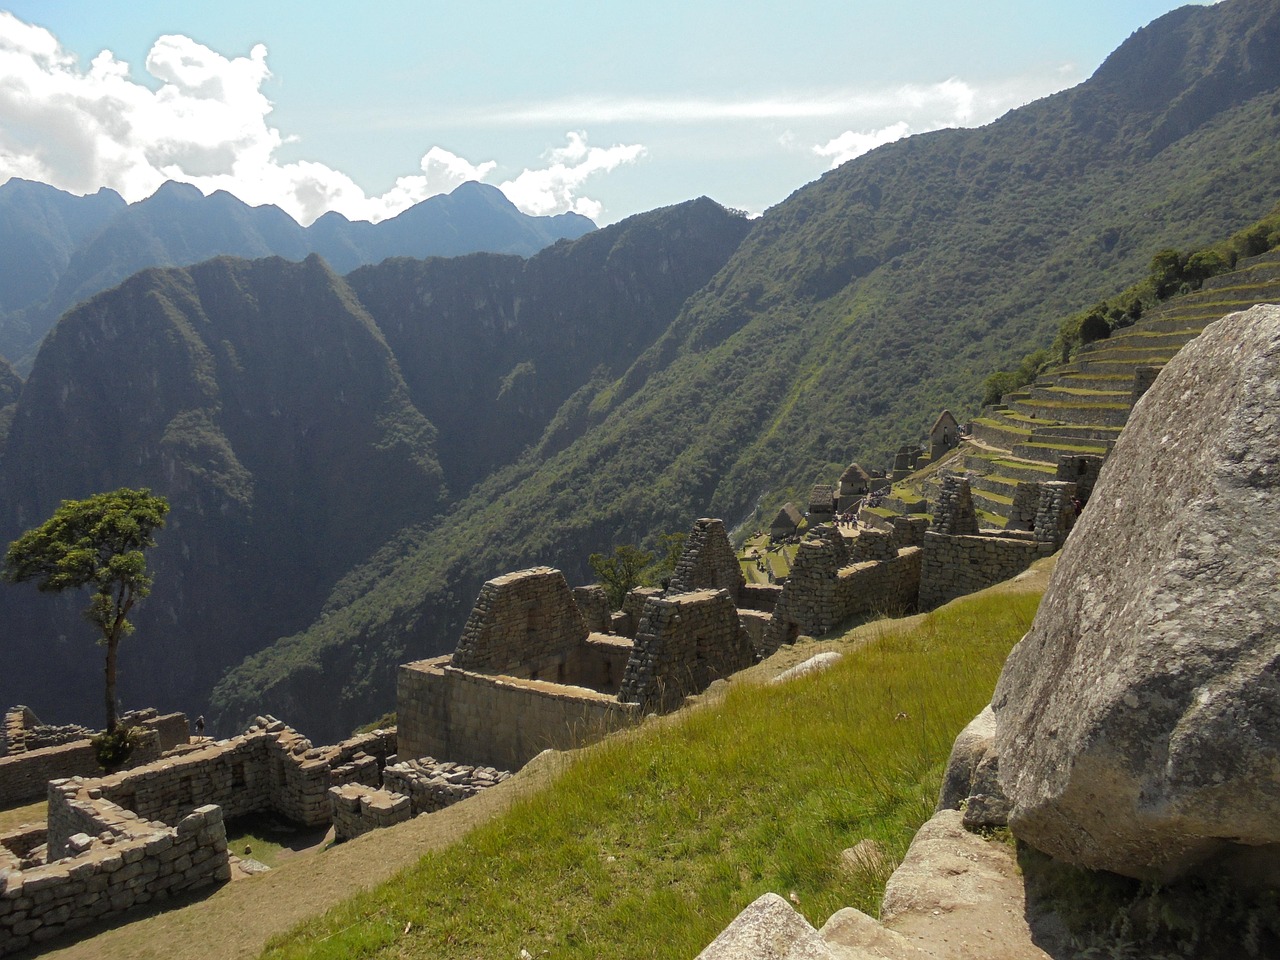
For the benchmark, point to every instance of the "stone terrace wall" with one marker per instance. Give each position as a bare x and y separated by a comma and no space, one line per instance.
955,566
497,721
522,622
708,562
684,643
119,862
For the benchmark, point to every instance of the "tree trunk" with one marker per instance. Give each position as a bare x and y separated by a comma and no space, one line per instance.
113,643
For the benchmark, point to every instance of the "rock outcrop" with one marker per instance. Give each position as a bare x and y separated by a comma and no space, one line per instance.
1137,722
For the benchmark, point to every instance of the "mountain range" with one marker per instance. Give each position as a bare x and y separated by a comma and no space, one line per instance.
351,457
57,249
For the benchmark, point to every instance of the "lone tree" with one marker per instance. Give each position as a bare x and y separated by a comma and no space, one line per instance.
95,543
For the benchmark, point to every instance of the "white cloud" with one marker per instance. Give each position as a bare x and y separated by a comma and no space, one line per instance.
555,188
852,144
206,124
921,109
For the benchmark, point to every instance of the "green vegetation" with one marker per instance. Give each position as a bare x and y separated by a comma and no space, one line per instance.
96,543
1171,273
648,844
620,572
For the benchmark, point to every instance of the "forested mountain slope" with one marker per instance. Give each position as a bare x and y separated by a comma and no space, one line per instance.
852,313
57,249
264,400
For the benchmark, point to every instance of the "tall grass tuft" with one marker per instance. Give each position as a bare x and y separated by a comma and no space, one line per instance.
651,842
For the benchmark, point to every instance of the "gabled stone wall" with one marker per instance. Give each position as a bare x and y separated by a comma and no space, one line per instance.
684,642
521,620
708,562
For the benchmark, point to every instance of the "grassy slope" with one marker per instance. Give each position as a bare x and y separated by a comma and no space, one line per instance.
651,842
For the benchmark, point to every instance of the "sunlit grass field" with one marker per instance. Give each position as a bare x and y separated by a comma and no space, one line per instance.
647,845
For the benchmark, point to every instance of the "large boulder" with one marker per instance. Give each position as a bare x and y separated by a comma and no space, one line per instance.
1138,722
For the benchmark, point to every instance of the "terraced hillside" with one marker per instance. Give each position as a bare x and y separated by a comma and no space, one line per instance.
1080,407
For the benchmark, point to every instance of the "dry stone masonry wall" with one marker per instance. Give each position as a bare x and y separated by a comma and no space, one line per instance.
524,618
826,587
684,643
126,861
708,562
954,514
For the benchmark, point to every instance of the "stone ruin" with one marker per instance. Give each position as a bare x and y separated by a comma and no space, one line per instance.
139,836
35,753
115,842
959,558
528,674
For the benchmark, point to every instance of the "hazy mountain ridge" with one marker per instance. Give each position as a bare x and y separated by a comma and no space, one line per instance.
851,314
66,248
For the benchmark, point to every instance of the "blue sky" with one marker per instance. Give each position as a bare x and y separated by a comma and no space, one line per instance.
607,109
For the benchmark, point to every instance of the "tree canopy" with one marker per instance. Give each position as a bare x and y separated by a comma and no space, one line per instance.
96,543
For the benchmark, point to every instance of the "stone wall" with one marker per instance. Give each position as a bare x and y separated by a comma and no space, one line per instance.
627,619
955,566
1143,378
684,642
23,731
708,562
1026,501
907,531
825,588
1083,471
124,862
497,721
1055,512
954,513
593,604
759,596
356,808
432,785
527,618
24,776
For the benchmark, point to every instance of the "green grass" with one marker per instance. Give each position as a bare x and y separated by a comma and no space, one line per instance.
651,842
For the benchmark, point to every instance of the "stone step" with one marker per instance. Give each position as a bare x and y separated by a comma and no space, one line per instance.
1010,468
1043,452
1092,414
1075,433
1080,394
996,435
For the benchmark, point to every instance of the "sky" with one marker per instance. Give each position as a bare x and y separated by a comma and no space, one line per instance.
600,108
